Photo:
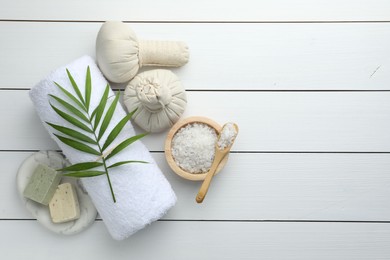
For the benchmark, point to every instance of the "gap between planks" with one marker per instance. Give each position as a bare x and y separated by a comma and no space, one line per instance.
184,21
235,152
243,220
247,90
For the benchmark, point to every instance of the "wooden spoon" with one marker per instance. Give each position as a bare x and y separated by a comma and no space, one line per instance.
219,155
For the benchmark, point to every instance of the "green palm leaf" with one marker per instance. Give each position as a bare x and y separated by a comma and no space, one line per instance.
81,166
124,144
76,111
83,174
71,119
75,87
69,95
108,116
98,112
88,88
124,162
93,113
77,145
71,108
116,130
72,133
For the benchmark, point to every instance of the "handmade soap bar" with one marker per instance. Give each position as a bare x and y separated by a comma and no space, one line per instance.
42,184
64,206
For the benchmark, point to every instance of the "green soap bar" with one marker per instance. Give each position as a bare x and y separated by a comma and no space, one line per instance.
42,185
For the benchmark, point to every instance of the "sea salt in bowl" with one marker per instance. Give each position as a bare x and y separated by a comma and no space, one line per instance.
193,133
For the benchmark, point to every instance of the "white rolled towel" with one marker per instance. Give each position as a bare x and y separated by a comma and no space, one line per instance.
143,194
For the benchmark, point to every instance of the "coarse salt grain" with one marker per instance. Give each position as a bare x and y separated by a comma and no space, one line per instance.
227,136
193,147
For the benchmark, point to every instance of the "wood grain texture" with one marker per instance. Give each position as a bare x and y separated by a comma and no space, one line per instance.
327,187
268,121
176,240
201,10
222,56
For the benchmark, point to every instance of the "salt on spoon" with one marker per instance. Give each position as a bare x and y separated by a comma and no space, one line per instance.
222,148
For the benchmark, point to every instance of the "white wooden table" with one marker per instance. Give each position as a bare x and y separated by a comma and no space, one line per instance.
308,83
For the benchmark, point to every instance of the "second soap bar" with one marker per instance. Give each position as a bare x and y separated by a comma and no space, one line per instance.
64,206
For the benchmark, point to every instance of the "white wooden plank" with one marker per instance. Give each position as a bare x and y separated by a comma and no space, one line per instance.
202,240
201,10
268,121
223,56
337,187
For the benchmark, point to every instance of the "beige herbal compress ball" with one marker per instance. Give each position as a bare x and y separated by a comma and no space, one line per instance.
120,54
159,98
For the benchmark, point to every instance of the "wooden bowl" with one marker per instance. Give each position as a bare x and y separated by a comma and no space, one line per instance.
168,147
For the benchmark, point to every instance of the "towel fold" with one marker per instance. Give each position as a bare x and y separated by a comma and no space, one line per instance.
143,194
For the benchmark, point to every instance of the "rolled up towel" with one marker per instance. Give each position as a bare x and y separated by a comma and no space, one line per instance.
143,194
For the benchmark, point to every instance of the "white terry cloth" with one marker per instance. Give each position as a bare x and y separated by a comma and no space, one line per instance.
143,194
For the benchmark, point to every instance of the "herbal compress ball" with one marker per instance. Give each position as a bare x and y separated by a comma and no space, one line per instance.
159,98
120,54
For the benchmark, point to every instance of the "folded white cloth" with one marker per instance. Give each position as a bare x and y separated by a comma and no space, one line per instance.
143,194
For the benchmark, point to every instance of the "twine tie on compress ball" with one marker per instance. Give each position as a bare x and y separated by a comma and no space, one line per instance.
153,96
159,98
